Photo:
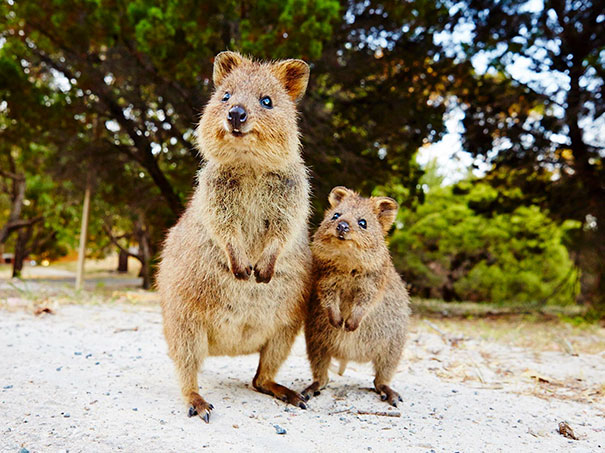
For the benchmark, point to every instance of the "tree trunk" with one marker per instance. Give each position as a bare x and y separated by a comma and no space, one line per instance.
122,262
17,198
20,251
83,233
144,254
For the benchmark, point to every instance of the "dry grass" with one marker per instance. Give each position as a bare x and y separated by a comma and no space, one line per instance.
543,356
528,333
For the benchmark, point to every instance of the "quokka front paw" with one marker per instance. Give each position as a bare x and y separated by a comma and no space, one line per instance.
335,317
241,268
242,273
353,321
265,268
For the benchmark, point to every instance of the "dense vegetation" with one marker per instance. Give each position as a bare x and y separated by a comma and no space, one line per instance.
470,241
105,94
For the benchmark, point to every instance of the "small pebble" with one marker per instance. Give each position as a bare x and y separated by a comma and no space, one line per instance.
23,450
135,409
77,353
66,415
6,387
279,429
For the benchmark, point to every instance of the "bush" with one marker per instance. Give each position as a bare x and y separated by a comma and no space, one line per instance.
459,245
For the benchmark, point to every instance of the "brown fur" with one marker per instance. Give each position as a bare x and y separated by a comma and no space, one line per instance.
358,309
235,269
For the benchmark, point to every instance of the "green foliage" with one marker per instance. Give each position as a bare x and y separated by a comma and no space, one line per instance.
454,247
540,127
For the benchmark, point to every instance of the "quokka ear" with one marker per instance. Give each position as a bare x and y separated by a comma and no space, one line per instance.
338,194
224,63
386,211
294,76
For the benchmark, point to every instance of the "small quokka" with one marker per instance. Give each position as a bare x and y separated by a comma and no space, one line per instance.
359,306
235,272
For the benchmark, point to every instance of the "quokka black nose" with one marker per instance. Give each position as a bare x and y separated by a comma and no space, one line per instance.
237,116
342,227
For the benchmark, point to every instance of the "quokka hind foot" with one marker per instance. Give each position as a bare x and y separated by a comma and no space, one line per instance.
199,406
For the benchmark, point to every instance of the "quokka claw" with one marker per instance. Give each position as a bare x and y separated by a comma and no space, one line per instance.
200,408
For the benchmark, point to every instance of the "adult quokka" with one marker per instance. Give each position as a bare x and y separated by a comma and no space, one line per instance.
235,270
359,306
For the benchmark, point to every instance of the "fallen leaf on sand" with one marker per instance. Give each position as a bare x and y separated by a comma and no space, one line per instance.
566,431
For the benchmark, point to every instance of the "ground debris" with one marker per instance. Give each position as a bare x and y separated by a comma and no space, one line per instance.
566,431
381,413
448,339
279,429
352,410
40,310
126,329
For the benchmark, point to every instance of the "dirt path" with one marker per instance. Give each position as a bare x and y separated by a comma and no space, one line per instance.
97,378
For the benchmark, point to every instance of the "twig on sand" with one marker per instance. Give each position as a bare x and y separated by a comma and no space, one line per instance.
453,341
436,329
126,329
352,410
381,413
568,346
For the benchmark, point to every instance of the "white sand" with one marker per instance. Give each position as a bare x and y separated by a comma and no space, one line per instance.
70,381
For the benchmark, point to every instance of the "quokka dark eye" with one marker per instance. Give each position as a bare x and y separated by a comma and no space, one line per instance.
362,223
336,215
226,97
266,102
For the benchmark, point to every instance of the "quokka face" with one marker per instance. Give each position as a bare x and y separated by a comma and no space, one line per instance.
252,114
354,224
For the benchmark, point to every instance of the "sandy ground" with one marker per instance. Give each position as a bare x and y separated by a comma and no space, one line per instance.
97,378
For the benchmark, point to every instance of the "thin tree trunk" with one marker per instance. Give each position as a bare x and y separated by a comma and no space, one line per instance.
21,251
83,232
18,196
145,253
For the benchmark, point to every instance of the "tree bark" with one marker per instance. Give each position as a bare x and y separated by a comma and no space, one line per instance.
18,196
21,251
144,252
122,262
83,233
